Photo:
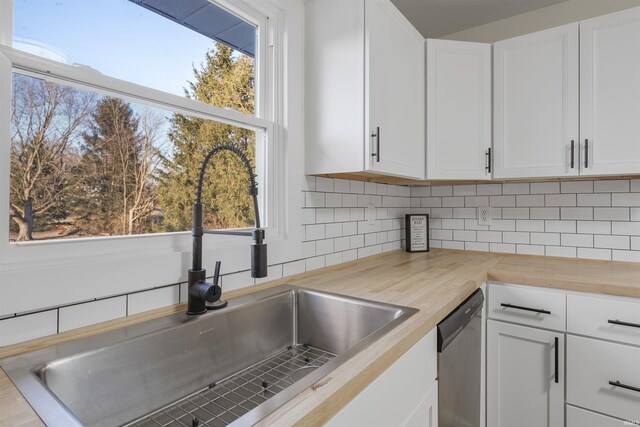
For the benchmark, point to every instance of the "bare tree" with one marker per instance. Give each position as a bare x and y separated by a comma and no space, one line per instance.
46,118
119,158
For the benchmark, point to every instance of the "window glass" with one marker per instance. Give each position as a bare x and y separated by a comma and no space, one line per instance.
85,164
154,43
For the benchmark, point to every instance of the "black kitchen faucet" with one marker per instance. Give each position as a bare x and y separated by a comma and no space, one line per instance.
200,291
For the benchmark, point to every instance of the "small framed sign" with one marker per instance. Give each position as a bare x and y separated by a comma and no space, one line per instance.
417,232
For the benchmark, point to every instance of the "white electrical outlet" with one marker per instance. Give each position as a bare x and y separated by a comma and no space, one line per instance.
484,216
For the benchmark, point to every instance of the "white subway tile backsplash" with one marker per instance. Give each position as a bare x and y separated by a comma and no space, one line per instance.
314,263
626,228
464,190
489,236
292,268
503,225
503,248
589,253
628,256
273,272
547,239
453,202
611,242
502,201
544,213
530,250
625,199
545,187
28,327
454,224
534,225
594,200
341,186
611,186
530,200
561,251
560,226
515,213
464,235
515,237
560,200
150,300
518,188
577,213
611,214
476,246
594,227
85,314
576,187
579,240
324,184
441,191
488,189
447,244
586,219
356,187
420,191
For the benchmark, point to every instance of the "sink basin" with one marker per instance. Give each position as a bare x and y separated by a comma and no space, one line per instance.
244,361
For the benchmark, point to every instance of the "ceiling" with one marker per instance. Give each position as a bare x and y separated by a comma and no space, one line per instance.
437,18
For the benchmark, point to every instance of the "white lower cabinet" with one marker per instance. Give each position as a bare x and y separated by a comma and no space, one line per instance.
604,376
578,417
406,394
525,376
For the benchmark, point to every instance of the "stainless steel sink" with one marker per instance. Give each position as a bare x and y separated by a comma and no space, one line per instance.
264,348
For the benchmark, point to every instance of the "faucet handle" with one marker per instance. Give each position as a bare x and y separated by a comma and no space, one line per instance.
216,273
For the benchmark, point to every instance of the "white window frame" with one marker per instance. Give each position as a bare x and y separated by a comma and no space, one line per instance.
265,14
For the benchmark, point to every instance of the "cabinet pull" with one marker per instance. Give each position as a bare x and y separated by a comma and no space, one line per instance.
376,135
557,363
487,155
586,153
519,307
619,322
621,385
573,154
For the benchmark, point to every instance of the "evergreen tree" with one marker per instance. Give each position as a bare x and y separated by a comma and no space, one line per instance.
225,79
116,195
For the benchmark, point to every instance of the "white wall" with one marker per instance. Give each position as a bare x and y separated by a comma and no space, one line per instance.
547,17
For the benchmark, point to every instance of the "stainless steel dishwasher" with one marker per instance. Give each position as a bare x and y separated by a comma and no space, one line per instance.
459,364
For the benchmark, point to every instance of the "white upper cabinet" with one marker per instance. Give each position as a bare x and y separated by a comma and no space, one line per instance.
610,93
536,104
364,91
458,110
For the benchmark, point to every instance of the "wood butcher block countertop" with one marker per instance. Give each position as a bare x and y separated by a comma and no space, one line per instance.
434,282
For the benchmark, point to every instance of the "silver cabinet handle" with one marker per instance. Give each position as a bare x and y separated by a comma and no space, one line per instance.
376,135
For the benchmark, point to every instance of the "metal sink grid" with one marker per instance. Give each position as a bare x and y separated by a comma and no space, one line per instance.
222,403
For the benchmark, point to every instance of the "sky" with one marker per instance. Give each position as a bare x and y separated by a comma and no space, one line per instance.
116,37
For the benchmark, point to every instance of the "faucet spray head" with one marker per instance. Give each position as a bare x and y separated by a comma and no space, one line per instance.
258,254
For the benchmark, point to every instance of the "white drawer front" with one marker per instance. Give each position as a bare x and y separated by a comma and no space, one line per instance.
592,315
578,417
514,303
591,364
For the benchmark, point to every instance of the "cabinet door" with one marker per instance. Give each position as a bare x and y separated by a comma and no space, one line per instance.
536,104
522,364
426,415
458,109
610,93
394,82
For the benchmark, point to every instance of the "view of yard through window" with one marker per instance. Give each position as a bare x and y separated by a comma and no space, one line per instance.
85,164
